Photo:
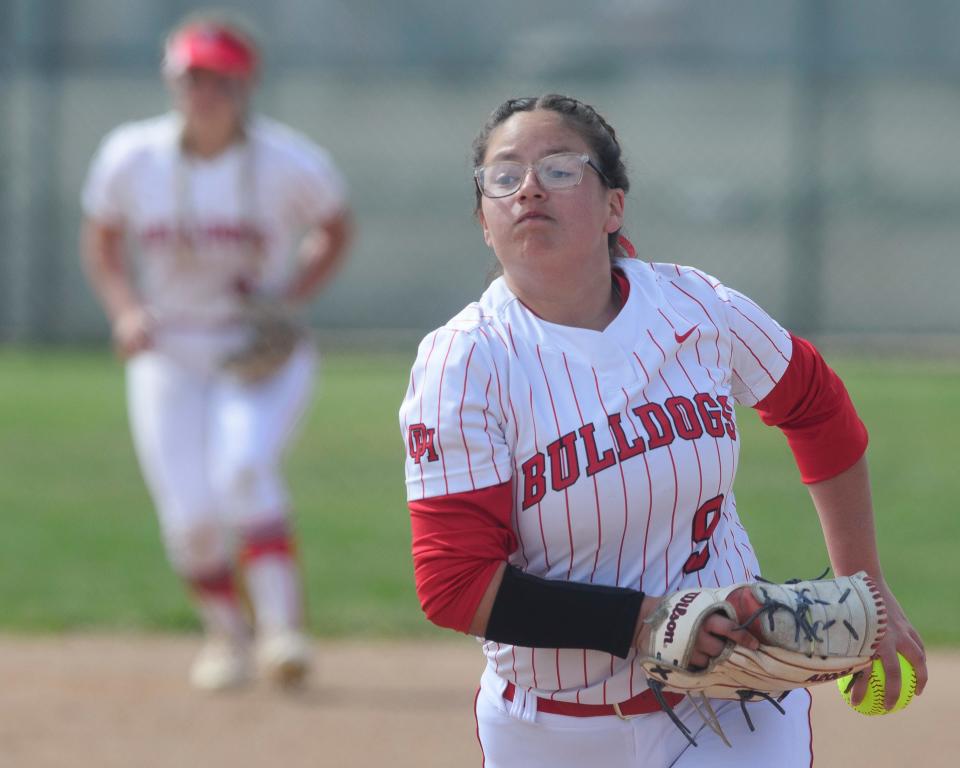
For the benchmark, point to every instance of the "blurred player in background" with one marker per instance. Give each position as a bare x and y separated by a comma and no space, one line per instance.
572,446
192,219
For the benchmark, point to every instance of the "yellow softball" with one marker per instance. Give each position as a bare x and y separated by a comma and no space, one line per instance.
872,703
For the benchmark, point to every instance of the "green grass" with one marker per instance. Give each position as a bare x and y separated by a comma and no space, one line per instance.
80,548
912,409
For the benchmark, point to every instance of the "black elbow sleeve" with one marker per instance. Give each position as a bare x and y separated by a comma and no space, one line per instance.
543,613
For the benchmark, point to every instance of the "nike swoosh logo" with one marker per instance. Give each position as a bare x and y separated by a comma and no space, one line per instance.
683,337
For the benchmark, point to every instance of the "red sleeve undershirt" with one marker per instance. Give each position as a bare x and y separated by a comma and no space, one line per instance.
812,407
458,542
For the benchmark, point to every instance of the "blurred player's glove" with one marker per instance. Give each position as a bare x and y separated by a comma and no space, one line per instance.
272,336
810,632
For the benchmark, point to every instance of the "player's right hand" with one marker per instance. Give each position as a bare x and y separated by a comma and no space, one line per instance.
132,332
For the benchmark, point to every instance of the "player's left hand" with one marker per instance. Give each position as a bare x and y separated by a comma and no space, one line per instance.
900,637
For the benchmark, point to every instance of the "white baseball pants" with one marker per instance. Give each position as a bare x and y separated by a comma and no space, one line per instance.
210,446
650,741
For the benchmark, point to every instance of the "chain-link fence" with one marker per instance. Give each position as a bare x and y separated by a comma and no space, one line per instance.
804,151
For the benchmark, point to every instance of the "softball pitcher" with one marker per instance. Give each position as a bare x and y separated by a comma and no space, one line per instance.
196,222
571,452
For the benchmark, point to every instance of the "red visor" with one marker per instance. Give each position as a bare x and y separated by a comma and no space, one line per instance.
209,47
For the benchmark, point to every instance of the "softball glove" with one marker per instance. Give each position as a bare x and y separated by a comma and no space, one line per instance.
273,335
810,632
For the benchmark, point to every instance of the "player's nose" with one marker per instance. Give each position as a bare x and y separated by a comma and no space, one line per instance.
530,186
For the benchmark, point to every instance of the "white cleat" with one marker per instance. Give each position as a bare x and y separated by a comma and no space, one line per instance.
284,658
220,666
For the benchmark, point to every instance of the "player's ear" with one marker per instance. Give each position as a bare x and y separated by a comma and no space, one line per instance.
486,230
615,201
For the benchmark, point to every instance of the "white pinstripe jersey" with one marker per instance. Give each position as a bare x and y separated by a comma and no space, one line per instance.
622,445
255,198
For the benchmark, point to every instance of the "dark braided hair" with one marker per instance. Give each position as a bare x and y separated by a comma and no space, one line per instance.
585,120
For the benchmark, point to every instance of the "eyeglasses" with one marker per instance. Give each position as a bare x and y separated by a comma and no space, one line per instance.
560,171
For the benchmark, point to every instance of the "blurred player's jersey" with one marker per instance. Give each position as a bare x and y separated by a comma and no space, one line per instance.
205,230
621,445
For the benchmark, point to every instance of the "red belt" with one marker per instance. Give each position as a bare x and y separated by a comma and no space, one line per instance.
642,704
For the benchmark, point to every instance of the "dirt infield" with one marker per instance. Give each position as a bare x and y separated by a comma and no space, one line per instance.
121,701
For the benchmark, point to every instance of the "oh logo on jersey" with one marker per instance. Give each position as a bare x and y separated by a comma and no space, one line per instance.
420,442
